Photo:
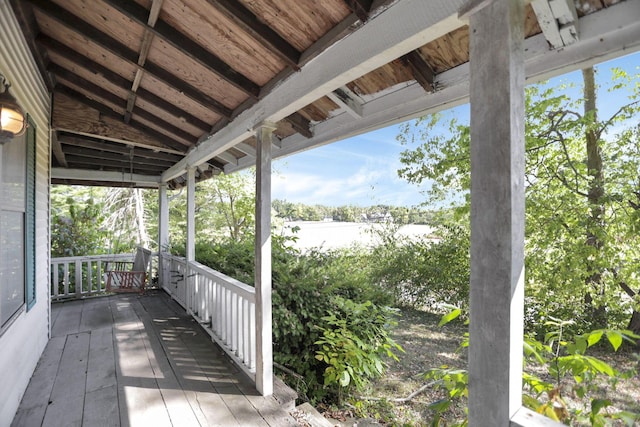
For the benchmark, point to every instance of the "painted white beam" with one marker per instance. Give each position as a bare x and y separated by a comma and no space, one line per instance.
558,20
547,22
190,243
264,330
347,100
370,46
163,218
228,157
89,175
246,149
190,250
598,43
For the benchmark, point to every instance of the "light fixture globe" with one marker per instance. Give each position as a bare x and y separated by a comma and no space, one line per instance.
12,118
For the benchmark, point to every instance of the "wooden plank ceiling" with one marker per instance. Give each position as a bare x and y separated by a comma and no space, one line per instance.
138,84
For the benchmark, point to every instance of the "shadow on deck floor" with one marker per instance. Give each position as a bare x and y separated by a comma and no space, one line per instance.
130,360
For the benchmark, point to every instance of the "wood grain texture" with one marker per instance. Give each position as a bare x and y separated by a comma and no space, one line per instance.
301,22
87,48
219,35
195,74
72,115
139,361
107,20
162,89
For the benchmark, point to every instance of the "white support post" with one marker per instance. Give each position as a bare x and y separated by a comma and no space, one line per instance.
163,218
163,233
190,249
264,333
497,210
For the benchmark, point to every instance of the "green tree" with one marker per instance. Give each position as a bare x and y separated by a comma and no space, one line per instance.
582,183
77,222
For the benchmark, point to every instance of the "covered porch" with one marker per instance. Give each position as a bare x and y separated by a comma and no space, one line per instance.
162,94
140,360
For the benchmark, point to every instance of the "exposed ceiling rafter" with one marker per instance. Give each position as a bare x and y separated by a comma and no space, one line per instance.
245,19
347,100
126,54
421,70
185,45
161,138
558,20
360,7
119,81
300,124
105,95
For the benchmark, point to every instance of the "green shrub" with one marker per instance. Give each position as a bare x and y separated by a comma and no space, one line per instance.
312,293
355,342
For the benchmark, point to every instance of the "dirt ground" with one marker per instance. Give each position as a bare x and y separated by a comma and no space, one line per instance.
428,346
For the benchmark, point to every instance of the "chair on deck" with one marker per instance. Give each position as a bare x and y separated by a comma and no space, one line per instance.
122,279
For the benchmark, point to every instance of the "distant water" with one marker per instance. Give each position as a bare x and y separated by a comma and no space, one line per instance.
332,235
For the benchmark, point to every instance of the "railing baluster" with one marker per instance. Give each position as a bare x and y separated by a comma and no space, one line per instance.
224,306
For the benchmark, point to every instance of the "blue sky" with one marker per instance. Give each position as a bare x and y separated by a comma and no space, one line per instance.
362,170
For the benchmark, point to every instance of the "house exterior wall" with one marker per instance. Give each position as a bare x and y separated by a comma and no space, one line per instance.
22,343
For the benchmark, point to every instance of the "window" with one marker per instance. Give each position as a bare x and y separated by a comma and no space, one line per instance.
17,226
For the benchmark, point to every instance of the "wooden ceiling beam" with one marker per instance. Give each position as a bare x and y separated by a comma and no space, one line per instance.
124,157
245,19
89,143
68,119
347,100
60,49
360,7
106,178
105,95
300,124
228,157
188,47
126,54
558,20
125,167
421,70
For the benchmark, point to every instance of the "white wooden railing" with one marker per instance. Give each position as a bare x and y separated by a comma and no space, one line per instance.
81,276
224,306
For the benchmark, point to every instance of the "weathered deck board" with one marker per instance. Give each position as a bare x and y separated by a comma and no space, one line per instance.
131,360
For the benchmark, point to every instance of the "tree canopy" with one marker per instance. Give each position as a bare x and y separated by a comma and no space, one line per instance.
582,194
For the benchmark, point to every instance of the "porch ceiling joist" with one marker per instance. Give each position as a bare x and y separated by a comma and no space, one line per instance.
117,80
172,136
245,19
368,47
597,43
78,119
127,55
185,45
558,20
83,175
347,100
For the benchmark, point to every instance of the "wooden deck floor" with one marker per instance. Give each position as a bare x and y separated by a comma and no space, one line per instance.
130,360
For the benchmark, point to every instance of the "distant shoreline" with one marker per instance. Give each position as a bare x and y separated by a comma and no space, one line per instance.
335,234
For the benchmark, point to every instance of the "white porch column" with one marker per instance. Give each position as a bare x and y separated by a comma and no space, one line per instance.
190,249
163,232
264,333
163,218
497,210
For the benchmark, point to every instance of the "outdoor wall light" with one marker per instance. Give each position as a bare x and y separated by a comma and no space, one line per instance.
12,118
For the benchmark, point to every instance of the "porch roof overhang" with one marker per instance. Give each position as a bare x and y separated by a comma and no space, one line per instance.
144,90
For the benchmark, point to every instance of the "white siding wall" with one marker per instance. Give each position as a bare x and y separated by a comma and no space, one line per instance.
23,342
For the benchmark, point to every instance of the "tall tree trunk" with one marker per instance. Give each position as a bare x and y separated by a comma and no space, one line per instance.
143,235
595,226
